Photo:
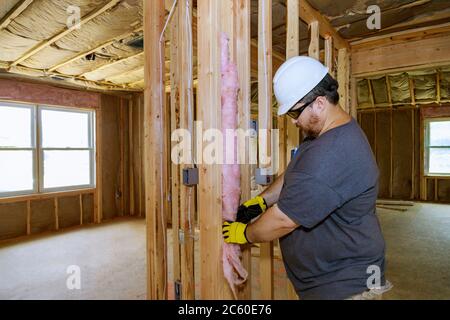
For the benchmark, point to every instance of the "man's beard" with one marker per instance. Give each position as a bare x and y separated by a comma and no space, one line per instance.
311,130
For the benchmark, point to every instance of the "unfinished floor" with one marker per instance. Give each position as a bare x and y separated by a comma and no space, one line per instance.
112,259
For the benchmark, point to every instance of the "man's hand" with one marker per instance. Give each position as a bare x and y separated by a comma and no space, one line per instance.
234,232
251,209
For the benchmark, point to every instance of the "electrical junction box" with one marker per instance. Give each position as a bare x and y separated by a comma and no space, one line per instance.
190,177
262,177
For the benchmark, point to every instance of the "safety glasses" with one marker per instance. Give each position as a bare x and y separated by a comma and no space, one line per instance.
294,114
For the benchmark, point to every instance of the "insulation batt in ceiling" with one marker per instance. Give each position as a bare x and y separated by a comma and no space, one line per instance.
379,89
116,69
400,88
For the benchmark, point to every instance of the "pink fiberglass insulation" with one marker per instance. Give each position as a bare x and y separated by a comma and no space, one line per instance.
232,267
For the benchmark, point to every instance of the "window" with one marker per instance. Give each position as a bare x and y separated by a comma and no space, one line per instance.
45,149
437,146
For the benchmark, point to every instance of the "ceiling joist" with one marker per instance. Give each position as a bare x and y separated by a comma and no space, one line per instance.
308,14
14,13
103,45
64,33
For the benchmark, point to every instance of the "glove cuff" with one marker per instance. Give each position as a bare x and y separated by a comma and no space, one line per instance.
262,203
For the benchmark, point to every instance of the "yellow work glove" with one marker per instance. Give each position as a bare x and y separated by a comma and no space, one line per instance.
234,232
251,209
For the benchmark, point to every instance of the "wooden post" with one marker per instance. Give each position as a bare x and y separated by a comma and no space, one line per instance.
413,155
242,14
265,123
187,194
314,49
354,99
154,14
210,23
343,77
438,86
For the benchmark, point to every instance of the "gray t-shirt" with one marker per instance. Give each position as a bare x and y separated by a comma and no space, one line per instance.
330,189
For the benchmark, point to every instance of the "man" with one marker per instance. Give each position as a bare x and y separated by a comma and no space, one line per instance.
323,207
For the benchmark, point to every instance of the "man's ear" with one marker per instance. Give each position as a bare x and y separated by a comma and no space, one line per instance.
320,104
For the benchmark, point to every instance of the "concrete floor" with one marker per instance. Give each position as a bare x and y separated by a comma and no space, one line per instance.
111,258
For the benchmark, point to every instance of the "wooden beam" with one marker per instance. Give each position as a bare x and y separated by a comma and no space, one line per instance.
154,14
395,37
402,56
242,13
265,123
314,49
308,14
343,77
64,33
14,13
85,53
187,204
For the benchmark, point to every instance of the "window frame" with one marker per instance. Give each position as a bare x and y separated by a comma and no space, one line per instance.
32,148
427,147
38,150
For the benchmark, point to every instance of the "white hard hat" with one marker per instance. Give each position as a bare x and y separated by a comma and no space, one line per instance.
295,79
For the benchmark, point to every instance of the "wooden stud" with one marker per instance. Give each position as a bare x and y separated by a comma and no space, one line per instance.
435,189
131,156
187,204
211,21
28,217
64,33
413,155
14,13
122,160
80,200
242,13
423,181
372,100
438,86
343,77
175,124
412,91
140,156
265,123
56,207
289,133
391,182
354,98
314,49
98,198
329,53
154,117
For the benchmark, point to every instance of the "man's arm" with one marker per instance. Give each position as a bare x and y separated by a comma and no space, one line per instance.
272,193
271,225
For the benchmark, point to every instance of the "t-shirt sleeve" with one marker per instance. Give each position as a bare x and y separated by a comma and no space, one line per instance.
307,200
